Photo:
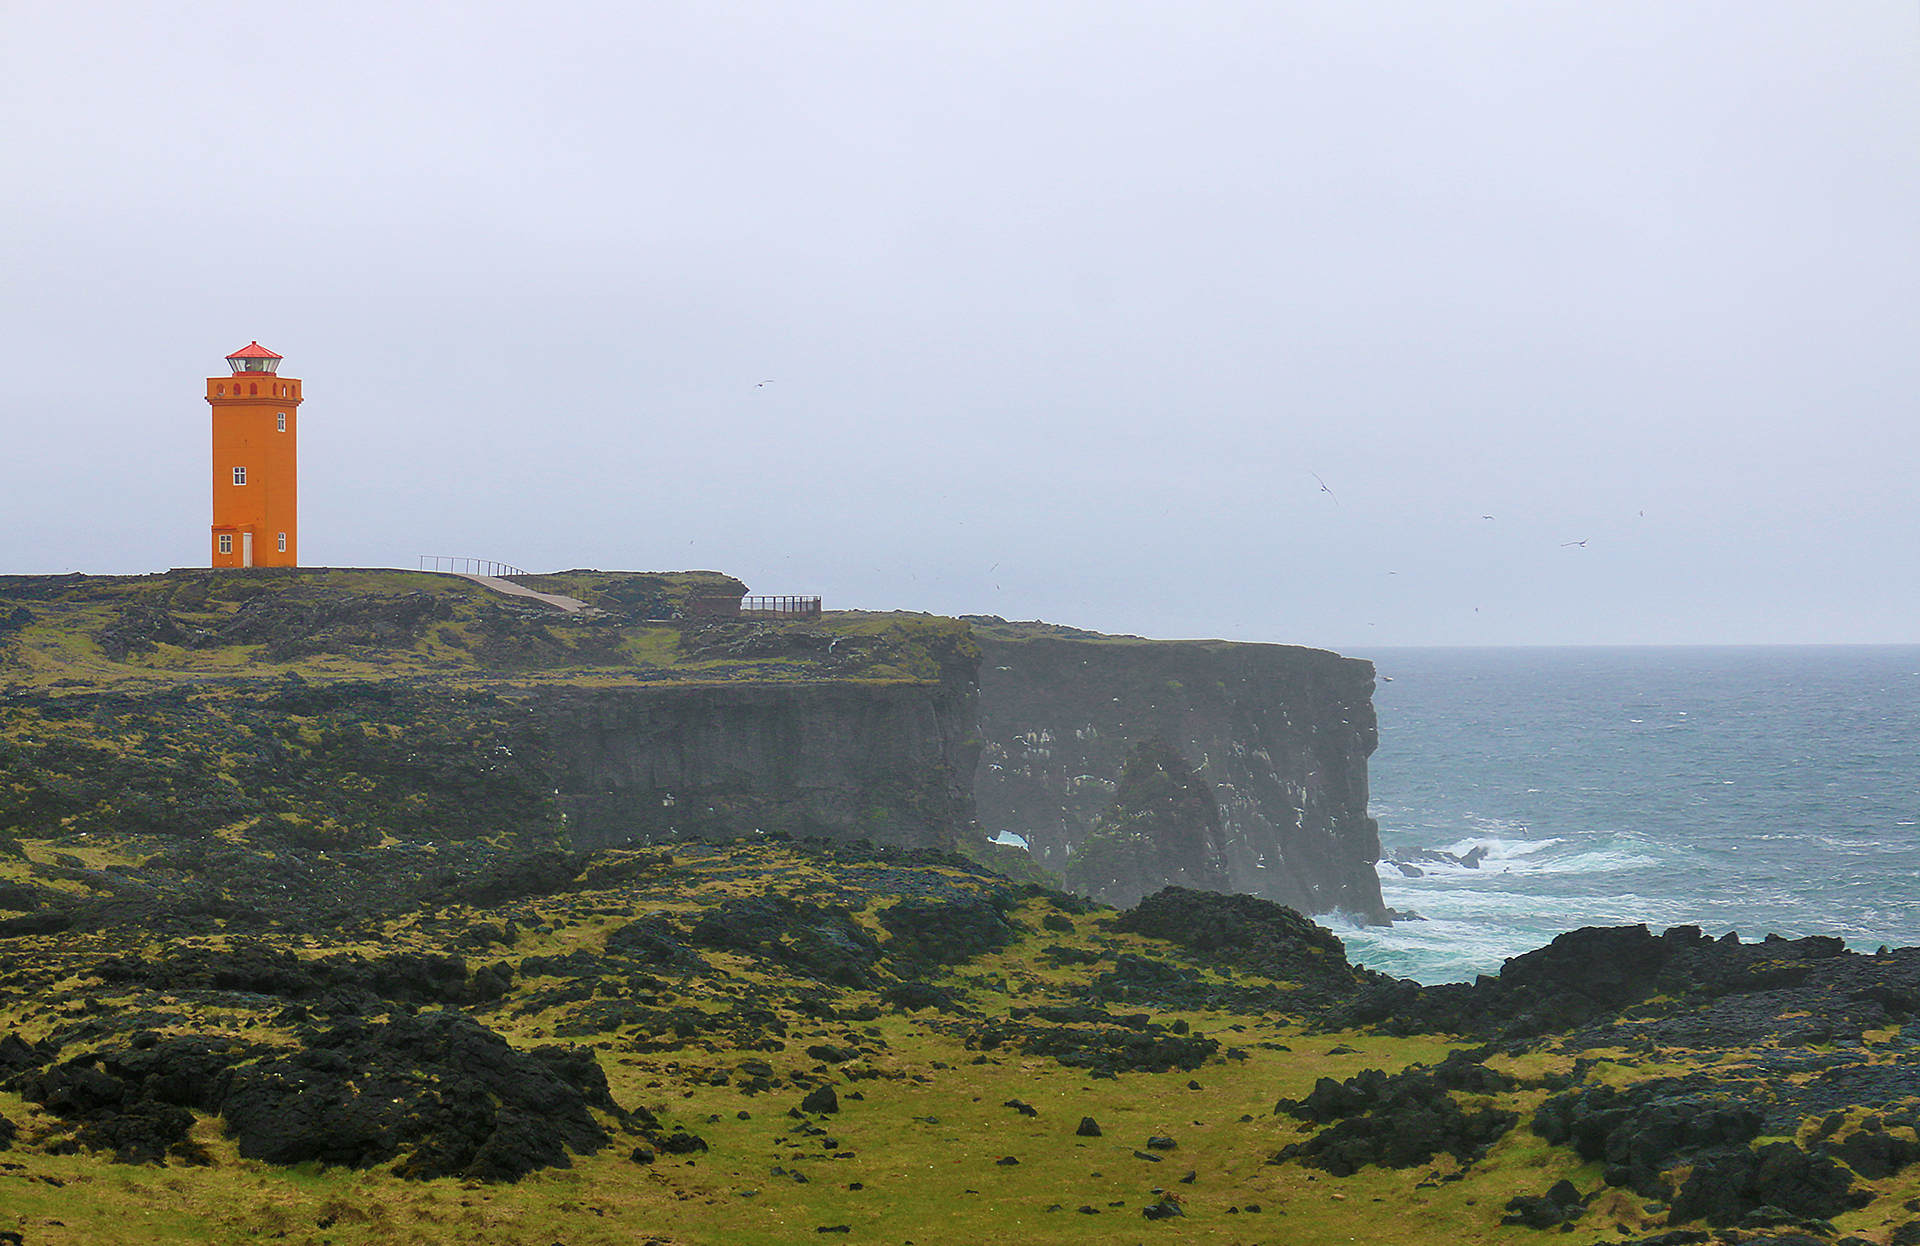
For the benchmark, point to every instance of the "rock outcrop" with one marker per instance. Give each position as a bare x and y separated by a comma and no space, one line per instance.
1162,829
1281,733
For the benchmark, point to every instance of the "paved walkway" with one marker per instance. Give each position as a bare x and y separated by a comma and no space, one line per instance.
572,605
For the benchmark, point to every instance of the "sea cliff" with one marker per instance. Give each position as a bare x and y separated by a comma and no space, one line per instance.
357,705
1282,733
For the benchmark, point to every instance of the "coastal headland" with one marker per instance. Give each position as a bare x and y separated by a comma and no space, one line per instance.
370,906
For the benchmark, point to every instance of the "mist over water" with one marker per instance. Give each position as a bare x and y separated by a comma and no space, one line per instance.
1758,789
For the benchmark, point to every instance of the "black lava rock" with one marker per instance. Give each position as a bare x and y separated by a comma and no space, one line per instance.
1728,1186
1392,1121
938,932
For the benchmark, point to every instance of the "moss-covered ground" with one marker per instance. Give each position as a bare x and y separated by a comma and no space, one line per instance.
352,703
924,1147
219,627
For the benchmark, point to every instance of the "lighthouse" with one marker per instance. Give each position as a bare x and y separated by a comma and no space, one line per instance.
256,435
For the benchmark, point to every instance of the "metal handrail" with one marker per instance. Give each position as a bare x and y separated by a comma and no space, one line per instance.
468,566
781,607
743,607
786,605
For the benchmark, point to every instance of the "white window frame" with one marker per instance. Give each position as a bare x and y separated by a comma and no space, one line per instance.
283,421
239,475
283,542
226,542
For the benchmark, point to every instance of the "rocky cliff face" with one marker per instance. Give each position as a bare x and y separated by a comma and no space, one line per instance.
1282,733
344,706
888,762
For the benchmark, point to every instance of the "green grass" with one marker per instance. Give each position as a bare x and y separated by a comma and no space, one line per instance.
470,635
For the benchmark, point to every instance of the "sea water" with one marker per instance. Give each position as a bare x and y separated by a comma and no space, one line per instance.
1756,789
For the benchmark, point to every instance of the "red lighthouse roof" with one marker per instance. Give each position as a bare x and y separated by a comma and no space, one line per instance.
253,350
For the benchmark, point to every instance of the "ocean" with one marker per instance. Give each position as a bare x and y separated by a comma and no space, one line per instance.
1771,789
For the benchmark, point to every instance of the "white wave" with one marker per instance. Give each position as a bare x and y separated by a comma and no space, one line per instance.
1435,950
1501,848
1486,928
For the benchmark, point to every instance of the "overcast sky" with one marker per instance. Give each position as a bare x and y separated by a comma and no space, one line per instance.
1046,310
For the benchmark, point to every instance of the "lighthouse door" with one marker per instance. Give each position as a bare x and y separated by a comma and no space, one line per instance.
246,549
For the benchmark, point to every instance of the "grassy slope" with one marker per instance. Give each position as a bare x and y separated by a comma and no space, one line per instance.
923,1141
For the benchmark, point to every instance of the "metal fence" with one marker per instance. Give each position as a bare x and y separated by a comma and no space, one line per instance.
468,566
753,607
780,607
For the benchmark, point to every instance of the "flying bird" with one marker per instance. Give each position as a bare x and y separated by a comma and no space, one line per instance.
760,383
1486,516
1323,487
1581,544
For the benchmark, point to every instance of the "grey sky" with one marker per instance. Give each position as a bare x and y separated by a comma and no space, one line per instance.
1064,306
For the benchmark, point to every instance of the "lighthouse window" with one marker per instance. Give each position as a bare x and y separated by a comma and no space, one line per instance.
239,475
283,421
283,542
219,390
226,543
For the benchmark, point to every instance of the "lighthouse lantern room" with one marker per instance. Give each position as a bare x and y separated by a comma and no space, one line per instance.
256,434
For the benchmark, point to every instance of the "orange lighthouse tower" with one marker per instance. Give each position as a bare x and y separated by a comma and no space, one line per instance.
256,433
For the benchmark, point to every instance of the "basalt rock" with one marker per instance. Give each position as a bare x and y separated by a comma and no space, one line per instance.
823,942
1639,1132
1143,980
914,996
1725,1187
261,970
1280,734
1398,1120
934,932
891,762
1161,829
1245,931
439,1093
1102,1050
1724,992
1560,1205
